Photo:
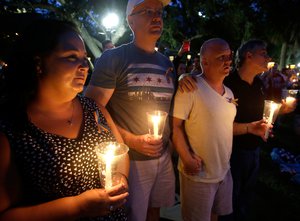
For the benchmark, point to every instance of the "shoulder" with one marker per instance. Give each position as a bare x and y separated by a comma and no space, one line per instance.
228,91
114,54
87,102
232,77
164,59
258,80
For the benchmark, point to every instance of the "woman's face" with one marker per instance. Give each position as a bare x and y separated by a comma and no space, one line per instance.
66,68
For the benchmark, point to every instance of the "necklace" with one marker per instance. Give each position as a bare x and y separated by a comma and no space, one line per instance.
70,121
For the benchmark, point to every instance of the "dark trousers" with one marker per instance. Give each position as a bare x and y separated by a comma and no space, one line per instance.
244,169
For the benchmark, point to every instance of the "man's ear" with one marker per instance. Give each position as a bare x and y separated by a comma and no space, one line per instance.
203,61
249,54
130,21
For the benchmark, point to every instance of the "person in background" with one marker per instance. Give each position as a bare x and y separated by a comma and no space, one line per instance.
202,136
196,66
181,69
274,82
107,44
48,165
131,80
178,59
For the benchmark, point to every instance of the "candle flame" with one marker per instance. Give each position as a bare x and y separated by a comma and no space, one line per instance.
156,121
109,156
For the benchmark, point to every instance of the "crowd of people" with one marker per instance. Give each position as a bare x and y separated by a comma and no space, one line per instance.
49,128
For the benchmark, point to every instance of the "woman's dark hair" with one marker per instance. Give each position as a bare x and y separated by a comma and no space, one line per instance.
249,46
20,78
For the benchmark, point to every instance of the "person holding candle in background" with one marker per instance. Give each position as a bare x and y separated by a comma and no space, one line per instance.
48,164
249,126
131,80
202,135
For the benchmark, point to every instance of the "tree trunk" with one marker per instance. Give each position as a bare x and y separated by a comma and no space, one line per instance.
282,55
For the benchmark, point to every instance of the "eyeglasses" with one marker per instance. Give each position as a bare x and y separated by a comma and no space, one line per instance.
149,12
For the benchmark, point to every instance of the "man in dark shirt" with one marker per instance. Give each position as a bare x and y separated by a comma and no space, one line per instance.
249,128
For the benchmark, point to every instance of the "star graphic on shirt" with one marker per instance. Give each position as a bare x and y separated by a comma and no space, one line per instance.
149,79
159,80
136,79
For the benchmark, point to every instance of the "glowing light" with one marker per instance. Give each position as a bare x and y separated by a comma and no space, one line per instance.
271,64
110,21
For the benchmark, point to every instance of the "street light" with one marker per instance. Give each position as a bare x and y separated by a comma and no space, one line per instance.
110,21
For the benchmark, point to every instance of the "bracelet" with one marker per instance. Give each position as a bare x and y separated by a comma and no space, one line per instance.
247,129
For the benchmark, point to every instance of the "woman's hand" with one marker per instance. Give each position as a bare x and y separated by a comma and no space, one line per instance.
100,202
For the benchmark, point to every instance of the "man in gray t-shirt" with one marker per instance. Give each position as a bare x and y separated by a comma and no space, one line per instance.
131,80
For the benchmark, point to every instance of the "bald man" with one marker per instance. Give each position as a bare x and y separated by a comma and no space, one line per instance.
202,135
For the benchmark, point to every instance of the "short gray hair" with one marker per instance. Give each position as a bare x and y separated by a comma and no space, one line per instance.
248,46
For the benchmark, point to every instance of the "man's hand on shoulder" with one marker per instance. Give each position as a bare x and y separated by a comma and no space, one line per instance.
187,83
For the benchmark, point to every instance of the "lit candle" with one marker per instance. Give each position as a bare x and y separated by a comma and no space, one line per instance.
270,120
290,101
109,155
156,121
271,64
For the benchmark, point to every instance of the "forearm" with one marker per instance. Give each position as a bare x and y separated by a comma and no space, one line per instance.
240,128
127,137
62,209
124,166
180,143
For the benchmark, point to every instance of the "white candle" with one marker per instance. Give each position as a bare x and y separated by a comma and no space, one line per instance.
108,161
290,101
156,121
273,108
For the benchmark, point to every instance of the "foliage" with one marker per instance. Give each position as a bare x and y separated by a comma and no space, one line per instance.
276,22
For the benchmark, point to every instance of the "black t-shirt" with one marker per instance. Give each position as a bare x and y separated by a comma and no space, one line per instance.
250,107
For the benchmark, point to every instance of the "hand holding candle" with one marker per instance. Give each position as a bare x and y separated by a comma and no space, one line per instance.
289,100
156,123
270,113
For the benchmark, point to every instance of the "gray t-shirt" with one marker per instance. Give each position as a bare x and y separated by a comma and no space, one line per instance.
142,82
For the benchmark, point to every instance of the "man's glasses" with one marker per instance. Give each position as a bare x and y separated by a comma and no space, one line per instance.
149,12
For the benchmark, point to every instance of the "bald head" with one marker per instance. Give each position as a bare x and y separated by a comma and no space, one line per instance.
214,44
216,57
